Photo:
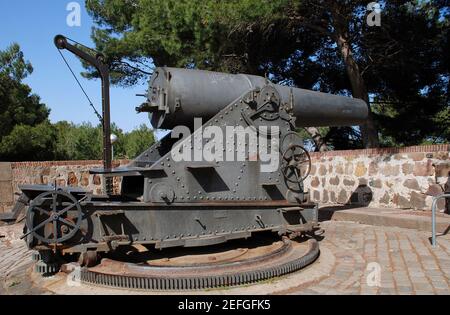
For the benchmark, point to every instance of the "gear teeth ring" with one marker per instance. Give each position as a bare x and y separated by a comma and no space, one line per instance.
46,269
35,256
200,283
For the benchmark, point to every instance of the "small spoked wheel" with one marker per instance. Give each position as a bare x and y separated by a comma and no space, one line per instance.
296,164
53,217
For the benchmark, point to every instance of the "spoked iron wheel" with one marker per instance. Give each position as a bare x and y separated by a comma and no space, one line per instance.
296,164
53,217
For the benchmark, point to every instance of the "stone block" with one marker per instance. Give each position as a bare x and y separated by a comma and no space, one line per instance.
407,168
72,179
342,198
416,156
84,180
5,171
333,196
411,184
349,182
316,195
334,181
376,183
6,192
423,169
322,170
340,169
97,180
349,169
360,170
373,168
417,200
390,170
385,199
325,198
315,182
442,169
313,169
45,171
401,201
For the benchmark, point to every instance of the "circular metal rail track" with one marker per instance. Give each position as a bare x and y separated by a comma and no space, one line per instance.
282,261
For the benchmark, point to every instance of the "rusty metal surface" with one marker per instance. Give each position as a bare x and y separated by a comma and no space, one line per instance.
238,268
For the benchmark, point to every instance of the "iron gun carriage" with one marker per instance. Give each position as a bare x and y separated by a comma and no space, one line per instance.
174,194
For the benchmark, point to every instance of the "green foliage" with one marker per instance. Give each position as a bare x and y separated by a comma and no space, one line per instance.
27,135
403,63
78,142
84,141
13,64
138,140
29,143
18,106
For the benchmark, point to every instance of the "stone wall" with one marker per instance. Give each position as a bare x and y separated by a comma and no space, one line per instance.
63,173
390,177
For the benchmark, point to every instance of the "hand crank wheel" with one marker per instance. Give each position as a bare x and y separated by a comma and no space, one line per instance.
53,217
296,161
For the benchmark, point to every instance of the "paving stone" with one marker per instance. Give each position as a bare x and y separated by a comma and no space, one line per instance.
368,260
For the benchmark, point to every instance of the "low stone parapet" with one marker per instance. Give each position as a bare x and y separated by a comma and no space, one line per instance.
386,177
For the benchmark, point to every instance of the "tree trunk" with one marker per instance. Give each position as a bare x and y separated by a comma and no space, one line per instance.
368,131
319,142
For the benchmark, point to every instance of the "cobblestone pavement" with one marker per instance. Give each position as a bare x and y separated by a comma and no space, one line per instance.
368,260
382,260
15,260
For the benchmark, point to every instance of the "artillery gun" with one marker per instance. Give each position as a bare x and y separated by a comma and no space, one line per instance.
175,195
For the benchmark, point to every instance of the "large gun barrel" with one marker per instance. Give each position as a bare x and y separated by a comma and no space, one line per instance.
177,96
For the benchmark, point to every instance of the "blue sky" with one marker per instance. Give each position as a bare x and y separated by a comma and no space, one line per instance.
33,25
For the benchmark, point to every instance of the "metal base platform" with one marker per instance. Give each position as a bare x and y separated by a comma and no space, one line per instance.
227,265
